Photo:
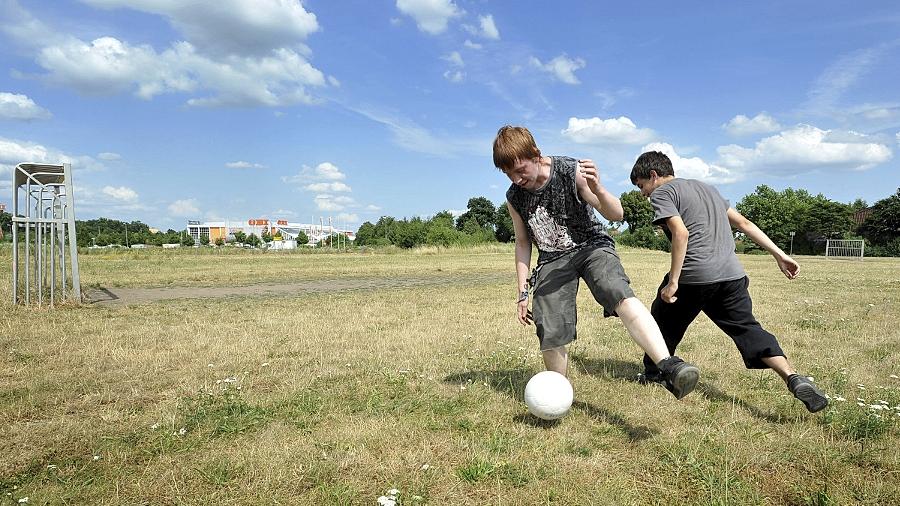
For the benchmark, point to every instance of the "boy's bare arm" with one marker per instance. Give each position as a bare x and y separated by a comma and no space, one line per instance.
788,266
523,262
679,250
587,180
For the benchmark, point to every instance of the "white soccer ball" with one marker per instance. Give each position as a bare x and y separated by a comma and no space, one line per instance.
548,395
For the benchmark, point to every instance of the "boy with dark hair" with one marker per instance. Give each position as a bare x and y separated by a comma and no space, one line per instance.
705,274
551,202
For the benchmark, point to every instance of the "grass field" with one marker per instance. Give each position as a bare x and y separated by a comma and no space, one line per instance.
339,397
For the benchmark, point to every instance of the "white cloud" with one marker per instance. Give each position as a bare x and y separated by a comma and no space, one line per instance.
122,193
805,148
596,130
455,76
455,59
240,164
610,98
14,152
431,16
486,28
325,202
328,187
562,68
762,123
231,26
20,107
185,207
472,45
328,170
692,168
108,65
325,171
372,208
841,76
413,137
111,157
343,219
898,137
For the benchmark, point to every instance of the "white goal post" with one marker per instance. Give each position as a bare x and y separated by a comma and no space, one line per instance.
845,248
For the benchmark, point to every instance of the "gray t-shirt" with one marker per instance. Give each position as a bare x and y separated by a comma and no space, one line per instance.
710,254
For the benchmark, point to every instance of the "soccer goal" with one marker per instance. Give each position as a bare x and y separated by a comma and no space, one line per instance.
845,248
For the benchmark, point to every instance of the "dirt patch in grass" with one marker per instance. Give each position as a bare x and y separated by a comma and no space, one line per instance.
123,296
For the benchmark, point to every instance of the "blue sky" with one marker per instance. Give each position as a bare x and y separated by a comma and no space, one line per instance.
172,110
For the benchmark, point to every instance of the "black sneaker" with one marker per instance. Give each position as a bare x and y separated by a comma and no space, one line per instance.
680,376
805,390
651,378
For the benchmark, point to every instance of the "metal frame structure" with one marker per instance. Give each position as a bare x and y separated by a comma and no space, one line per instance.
43,211
845,248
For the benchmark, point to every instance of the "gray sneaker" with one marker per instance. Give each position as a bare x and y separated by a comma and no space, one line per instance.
805,390
681,377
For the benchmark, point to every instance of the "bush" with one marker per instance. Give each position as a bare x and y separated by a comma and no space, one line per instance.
644,237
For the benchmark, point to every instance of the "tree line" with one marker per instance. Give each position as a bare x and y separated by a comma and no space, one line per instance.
811,218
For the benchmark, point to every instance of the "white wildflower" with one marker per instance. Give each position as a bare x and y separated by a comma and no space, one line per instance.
386,501
839,398
23,500
96,457
426,467
895,376
265,364
210,365
51,466
393,491
182,431
155,426
860,404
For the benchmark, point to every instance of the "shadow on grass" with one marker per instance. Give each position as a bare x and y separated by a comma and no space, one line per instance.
628,371
511,382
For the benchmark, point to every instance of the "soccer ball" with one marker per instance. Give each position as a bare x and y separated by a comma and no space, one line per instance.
548,395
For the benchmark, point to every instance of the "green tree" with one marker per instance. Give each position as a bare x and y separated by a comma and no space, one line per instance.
219,241
638,212
302,239
204,240
504,231
5,225
187,240
253,240
481,210
882,226
365,236
240,237
266,236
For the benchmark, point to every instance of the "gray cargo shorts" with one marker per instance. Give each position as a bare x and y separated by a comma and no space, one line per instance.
555,287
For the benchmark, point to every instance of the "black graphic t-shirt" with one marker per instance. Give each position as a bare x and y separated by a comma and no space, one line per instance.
558,221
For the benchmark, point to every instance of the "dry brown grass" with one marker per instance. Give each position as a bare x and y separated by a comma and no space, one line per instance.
334,398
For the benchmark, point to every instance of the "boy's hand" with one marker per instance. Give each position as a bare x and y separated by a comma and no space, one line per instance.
788,266
524,314
667,294
590,174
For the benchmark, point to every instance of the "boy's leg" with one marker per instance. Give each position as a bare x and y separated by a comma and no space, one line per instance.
673,320
554,294
557,359
604,275
732,311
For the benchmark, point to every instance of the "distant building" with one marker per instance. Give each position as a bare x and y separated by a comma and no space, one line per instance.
279,229
860,216
2,207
